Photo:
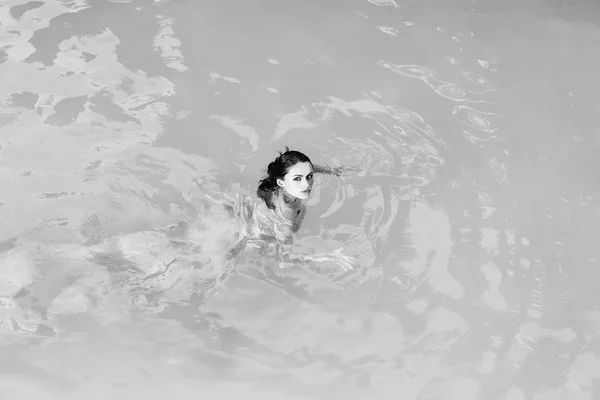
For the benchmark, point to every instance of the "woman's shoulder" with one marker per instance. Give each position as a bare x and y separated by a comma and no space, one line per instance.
280,207
264,211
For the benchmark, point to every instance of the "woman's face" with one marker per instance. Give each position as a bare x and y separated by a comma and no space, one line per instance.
298,181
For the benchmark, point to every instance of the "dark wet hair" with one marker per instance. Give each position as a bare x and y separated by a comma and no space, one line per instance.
278,169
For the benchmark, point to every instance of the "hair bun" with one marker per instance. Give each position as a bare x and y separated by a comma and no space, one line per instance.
271,169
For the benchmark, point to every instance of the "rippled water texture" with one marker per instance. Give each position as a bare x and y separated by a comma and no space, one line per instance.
474,214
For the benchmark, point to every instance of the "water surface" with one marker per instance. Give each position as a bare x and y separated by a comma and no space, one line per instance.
474,214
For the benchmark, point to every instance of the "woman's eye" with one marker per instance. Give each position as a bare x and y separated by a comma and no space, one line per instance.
309,177
296,179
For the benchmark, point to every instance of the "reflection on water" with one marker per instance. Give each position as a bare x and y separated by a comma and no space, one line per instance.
473,214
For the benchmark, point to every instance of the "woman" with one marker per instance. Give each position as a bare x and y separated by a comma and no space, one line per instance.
271,223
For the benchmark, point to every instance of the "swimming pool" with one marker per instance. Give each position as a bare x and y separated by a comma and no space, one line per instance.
474,214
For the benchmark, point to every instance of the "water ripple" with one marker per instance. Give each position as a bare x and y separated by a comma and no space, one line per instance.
373,156
447,90
411,71
384,3
474,118
475,78
451,91
389,30
168,45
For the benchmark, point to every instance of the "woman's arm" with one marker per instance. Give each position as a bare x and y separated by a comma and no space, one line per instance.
285,255
337,171
322,169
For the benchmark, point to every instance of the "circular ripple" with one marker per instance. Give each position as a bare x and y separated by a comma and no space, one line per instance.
411,71
406,116
473,118
475,78
452,92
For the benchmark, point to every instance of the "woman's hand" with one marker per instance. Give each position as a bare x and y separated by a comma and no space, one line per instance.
339,171
346,262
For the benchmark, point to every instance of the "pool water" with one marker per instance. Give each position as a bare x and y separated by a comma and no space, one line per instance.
473,214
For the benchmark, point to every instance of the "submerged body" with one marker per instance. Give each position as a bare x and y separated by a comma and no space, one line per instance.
260,223
271,232
279,224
